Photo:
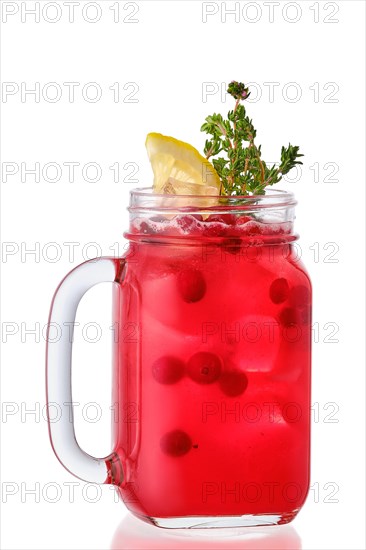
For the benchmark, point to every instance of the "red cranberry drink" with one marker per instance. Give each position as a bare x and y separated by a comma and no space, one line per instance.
214,369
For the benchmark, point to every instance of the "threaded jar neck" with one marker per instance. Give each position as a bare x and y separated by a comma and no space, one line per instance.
195,217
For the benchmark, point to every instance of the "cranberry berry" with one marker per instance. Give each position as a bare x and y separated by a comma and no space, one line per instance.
191,285
241,220
146,228
232,245
214,229
175,443
228,219
204,367
289,316
168,370
233,383
187,223
279,291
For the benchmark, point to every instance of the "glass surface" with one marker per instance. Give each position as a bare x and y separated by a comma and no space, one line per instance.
212,363
133,534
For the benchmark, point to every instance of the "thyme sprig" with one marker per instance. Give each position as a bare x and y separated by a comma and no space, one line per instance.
242,171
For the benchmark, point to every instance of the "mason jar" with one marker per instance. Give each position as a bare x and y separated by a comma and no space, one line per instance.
211,362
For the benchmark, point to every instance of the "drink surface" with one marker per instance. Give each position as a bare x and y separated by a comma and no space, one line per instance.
212,368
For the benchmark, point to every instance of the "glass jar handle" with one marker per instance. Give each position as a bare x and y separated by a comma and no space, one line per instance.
58,371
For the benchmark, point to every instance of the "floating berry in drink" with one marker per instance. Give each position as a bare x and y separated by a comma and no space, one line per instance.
204,367
188,224
241,220
228,219
191,285
233,383
233,245
252,228
146,228
289,316
175,443
168,369
214,229
279,291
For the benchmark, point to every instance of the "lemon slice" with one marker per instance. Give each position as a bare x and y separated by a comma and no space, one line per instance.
179,168
177,187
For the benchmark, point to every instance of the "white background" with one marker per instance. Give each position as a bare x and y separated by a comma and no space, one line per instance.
165,55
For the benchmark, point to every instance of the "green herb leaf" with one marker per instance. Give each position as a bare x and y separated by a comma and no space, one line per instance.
243,172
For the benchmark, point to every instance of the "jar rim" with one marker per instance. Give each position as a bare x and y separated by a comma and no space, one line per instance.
143,198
